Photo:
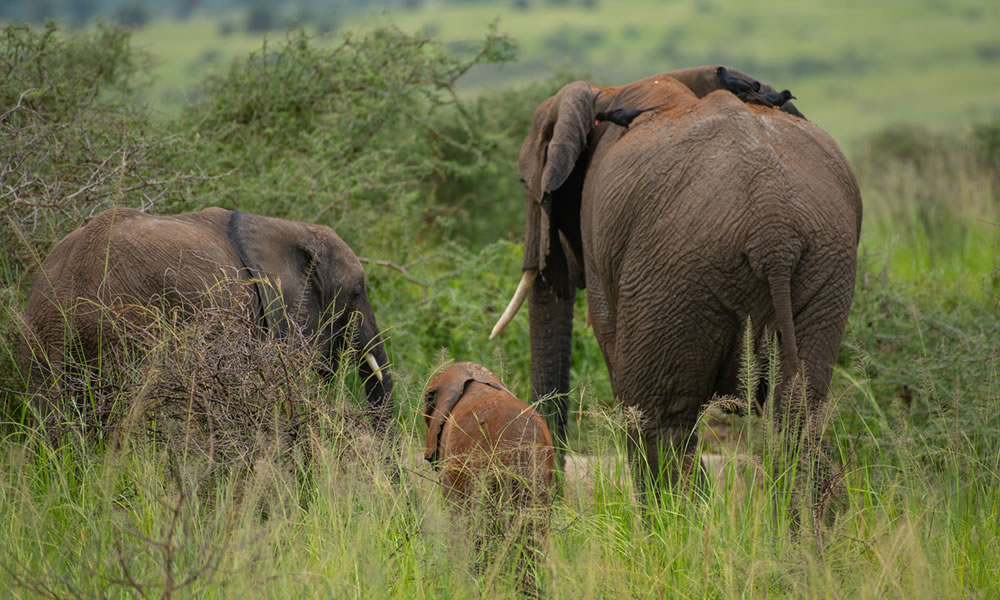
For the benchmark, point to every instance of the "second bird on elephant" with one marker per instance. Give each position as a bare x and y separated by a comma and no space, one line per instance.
743,88
779,98
776,98
622,117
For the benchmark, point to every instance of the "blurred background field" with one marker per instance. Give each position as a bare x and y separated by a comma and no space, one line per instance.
856,66
398,124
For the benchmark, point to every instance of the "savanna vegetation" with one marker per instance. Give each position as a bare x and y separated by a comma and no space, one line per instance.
861,65
370,136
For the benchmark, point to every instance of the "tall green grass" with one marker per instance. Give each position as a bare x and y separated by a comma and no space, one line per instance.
932,205
915,520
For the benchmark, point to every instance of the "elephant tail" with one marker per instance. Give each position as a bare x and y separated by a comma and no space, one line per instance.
781,297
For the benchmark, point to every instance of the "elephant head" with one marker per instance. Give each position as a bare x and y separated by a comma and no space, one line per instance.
552,268
306,275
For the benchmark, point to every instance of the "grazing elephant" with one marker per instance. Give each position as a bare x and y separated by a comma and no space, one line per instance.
699,215
303,275
496,461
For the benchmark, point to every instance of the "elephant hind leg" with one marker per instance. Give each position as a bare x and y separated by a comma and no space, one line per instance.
603,321
822,303
663,455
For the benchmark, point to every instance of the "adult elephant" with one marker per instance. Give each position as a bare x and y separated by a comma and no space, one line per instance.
699,214
303,275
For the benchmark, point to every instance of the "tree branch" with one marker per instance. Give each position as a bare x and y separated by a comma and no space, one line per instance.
403,270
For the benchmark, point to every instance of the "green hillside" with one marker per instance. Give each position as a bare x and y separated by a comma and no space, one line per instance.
855,66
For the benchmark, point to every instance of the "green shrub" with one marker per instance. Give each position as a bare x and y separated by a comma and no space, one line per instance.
479,198
341,135
934,200
74,143
75,139
987,137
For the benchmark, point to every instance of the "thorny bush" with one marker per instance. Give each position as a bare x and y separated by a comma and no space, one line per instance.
207,384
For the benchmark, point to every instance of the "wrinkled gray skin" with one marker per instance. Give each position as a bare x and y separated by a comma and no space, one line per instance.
702,213
124,257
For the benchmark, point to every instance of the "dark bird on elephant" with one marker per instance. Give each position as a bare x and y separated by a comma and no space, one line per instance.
735,84
776,99
779,98
745,90
621,116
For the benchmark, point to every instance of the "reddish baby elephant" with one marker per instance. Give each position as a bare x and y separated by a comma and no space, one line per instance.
496,460
476,426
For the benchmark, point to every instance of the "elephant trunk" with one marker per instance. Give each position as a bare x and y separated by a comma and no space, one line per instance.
551,316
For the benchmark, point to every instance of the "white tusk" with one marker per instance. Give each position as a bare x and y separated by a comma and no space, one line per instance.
374,365
527,280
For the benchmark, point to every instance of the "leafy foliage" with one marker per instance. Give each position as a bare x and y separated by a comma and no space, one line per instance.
74,141
341,136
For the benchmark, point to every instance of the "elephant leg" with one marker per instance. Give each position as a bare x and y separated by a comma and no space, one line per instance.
669,352
603,322
821,300
822,304
823,331
663,454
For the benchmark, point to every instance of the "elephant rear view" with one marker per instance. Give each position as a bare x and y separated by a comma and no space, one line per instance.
496,461
288,273
697,216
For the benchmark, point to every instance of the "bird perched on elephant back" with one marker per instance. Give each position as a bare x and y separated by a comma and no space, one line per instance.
701,215
746,88
494,454
291,274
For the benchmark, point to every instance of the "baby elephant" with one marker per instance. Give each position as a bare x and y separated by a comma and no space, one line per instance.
477,427
494,453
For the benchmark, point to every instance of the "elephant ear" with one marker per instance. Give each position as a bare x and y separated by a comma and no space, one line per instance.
445,391
570,121
560,135
278,255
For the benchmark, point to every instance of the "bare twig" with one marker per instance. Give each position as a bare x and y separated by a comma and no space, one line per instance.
17,106
400,268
